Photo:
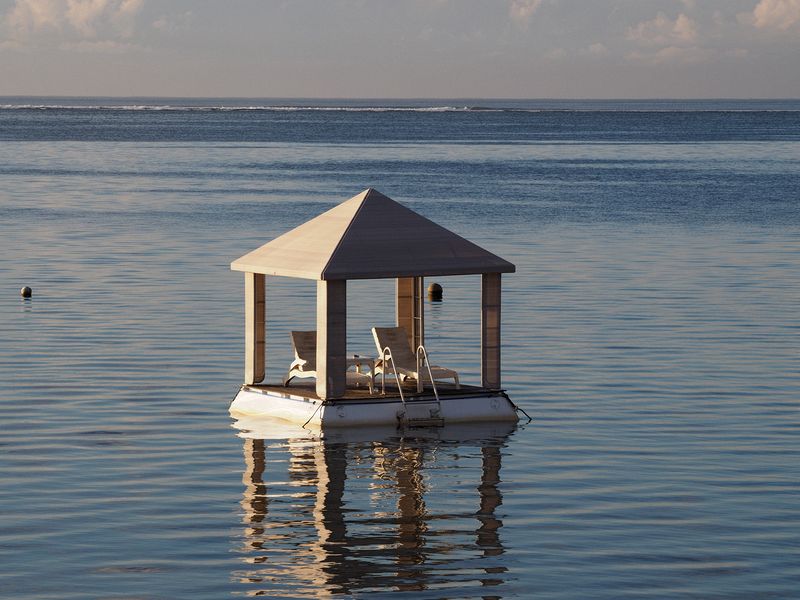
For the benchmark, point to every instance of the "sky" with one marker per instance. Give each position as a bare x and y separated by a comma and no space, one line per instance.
401,48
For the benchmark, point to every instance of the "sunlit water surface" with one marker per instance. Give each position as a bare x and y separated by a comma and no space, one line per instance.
652,331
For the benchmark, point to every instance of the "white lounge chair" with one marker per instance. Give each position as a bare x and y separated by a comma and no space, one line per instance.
304,344
403,357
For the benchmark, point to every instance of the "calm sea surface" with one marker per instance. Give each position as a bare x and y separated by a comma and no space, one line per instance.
652,330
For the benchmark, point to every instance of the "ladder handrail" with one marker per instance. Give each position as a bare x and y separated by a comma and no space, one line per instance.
387,353
430,373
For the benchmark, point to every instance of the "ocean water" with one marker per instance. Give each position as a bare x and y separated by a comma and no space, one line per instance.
652,331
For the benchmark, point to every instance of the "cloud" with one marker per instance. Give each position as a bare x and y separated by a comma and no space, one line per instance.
663,31
521,11
84,19
174,23
27,16
556,54
776,14
84,15
598,49
692,55
125,17
99,46
674,55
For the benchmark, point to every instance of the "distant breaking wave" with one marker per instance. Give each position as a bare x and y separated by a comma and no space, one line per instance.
562,106
277,108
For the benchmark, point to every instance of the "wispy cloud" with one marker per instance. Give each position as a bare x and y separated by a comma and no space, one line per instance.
673,55
691,55
27,16
597,49
173,23
663,31
556,54
99,46
521,11
777,14
73,19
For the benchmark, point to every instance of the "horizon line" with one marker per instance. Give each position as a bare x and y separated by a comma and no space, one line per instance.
409,98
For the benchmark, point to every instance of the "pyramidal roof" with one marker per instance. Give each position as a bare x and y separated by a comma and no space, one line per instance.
370,236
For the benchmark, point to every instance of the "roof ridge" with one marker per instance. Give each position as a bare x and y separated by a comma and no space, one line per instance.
366,193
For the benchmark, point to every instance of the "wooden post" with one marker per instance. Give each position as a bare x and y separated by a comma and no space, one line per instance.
254,330
411,309
490,331
331,338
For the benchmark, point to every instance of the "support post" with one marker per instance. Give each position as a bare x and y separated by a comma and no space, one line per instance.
490,331
254,330
331,338
411,309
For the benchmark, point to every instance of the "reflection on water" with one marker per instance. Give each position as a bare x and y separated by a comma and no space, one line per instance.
411,512
651,328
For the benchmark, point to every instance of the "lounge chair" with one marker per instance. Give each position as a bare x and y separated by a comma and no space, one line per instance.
403,357
304,344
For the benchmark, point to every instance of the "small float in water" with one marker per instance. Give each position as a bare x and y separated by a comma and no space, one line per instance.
370,236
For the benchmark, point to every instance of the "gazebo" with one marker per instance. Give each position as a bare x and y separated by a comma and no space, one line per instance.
369,236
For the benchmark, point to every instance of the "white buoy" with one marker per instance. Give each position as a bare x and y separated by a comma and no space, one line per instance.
26,292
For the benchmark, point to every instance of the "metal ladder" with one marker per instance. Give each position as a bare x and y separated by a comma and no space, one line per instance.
418,413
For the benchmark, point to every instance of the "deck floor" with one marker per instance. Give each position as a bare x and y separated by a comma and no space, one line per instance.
306,388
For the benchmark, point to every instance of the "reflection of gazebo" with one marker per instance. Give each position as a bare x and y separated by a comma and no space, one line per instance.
377,513
369,236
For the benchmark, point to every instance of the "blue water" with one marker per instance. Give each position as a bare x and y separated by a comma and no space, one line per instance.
652,331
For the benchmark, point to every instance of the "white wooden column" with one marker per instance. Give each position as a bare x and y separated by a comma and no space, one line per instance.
254,330
490,331
331,338
411,309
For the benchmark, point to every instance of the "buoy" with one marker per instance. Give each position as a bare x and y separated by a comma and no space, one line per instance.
434,292
26,292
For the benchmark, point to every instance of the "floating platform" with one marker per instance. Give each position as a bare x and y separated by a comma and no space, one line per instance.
300,404
266,428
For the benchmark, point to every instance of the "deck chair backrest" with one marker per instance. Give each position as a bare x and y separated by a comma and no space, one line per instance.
304,344
397,340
